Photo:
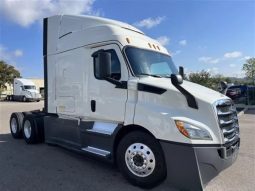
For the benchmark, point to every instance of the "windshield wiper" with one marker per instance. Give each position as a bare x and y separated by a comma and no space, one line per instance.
153,75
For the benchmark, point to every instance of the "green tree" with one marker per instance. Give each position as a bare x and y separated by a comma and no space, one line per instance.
203,78
249,69
7,74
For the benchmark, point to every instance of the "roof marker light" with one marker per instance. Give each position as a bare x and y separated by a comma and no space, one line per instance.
149,45
154,46
128,41
158,47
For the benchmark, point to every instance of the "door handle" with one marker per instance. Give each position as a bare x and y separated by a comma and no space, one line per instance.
93,105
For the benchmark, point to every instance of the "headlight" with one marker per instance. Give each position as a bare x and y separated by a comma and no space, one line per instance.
192,131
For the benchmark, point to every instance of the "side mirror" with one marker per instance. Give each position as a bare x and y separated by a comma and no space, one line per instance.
181,71
176,79
102,64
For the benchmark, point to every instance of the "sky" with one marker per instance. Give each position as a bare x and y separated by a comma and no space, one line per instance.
213,35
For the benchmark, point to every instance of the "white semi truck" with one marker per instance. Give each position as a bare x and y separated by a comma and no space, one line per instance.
113,92
24,90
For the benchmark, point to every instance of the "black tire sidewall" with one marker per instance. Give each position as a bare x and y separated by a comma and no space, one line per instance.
159,173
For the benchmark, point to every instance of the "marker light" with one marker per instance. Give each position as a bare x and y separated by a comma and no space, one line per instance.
180,126
128,41
192,132
149,45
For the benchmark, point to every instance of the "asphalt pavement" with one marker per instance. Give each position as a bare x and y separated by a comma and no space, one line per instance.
44,168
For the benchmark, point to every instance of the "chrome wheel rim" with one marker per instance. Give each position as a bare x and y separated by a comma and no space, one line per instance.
140,159
27,129
14,125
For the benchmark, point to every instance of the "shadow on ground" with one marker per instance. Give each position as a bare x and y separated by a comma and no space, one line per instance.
42,167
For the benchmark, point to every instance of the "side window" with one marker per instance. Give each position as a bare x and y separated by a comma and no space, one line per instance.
115,67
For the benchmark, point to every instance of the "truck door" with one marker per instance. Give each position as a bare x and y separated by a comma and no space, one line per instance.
108,101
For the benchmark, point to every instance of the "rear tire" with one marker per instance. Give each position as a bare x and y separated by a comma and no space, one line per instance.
141,160
16,125
11,98
33,131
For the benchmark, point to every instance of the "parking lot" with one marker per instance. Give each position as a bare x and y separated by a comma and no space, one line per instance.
42,167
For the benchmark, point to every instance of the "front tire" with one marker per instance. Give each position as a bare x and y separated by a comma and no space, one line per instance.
24,99
141,160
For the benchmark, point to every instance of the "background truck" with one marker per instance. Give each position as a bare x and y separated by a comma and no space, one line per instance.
24,90
114,93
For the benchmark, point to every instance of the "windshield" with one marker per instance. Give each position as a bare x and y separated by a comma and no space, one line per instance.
146,62
29,87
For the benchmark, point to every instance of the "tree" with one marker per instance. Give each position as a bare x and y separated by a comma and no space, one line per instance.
203,78
249,69
7,74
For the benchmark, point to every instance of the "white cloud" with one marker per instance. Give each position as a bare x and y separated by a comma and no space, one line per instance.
245,58
213,70
149,22
18,53
234,54
25,13
163,40
183,42
208,60
232,65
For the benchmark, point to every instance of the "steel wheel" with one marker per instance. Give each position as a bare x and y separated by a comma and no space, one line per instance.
27,129
140,159
14,125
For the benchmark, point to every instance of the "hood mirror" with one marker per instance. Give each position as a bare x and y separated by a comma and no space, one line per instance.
176,79
181,71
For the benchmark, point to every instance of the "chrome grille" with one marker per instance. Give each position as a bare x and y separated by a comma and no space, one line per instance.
228,121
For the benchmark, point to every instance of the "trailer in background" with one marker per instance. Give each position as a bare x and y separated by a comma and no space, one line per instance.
24,90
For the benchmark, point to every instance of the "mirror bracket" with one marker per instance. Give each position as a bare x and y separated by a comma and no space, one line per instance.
119,84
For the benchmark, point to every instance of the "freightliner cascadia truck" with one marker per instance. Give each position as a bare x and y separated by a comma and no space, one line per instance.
114,93
24,90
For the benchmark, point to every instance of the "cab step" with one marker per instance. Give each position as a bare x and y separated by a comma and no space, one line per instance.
97,151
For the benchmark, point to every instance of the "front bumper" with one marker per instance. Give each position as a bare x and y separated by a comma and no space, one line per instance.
191,167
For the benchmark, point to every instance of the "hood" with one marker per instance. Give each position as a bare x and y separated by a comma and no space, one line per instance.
199,92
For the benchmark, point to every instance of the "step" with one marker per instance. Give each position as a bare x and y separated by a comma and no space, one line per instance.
103,128
97,151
